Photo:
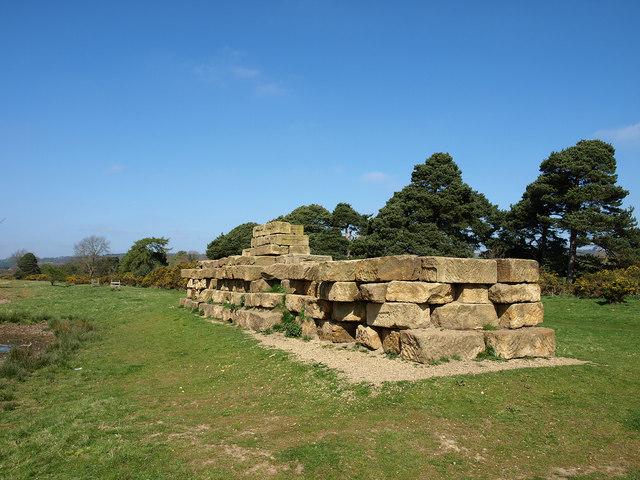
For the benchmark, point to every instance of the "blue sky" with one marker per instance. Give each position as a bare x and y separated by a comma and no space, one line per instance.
184,119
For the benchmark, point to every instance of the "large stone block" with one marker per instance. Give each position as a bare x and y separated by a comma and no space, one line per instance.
390,340
469,293
244,272
349,311
267,250
518,293
374,292
264,300
465,316
523,342
398,315
303,258
258,320
280,239
212,311
430,344
339,291
311,306
339,271
291,271
260,285
368,337
337,332
459,270
419,292
519,315
219,296
276,227
188,272
383,269
207,263
517,270
299,250
309,328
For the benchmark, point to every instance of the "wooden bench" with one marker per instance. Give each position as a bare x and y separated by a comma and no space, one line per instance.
115,285
95,282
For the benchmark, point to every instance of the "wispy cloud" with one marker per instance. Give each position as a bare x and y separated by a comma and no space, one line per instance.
230,66
115,169
630,133
375,177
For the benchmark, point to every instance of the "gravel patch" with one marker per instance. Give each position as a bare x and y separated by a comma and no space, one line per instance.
376,368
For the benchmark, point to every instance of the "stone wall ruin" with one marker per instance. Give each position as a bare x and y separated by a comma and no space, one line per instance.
422,308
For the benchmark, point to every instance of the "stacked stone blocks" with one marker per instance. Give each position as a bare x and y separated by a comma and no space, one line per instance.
422,308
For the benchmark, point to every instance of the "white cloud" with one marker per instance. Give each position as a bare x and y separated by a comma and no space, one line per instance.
230,67
630,133
375,177
115,169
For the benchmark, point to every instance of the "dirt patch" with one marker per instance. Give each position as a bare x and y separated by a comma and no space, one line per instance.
376,368
36,336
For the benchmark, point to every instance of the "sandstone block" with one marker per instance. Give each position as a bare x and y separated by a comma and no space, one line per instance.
255,319
311,306
219,296
460,270
207,263
280,239
519,293
465,316
339,271
517,270
309,328
398,315
383,269
271,228
268,250
374,292
303,258
519,315
469,293
419,292
260,285
429,344
368,337
264,300
190,283
339,291
291,271
212,311
299,250
523,342
205,295
190,292
349,311
390,340
264,260
190,304
188,272
244,272
337,332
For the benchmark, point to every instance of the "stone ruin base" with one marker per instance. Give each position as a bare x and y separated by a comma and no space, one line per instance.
421,308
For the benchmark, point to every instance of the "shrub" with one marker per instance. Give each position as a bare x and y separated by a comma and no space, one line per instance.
78,279
289,325
553,284
38,277
612,285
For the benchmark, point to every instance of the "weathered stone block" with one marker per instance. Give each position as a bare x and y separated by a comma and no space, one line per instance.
419,292
300,287
280,239
260,285
383,269
271,228
264,260
460,270
212,310
338,271
337,332
244,272
465,316
207,263
430,344
309,328
254,319
268,250
368,337
523,342
219,296
517,270
339,291
390,340
303,258
469,293
299,250
311,306
398,315
519,293
264,300
349,311
374,292
290,271
520,315
188,272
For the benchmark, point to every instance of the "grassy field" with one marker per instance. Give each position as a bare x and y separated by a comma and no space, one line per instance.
160,393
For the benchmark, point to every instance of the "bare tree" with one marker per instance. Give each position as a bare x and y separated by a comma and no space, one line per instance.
17,255
89,250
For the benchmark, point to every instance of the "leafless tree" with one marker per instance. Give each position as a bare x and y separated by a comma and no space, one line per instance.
17,255
89,250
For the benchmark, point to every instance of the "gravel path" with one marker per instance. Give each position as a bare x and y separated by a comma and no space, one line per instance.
375,368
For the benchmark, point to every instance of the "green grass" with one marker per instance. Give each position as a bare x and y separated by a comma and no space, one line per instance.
163,393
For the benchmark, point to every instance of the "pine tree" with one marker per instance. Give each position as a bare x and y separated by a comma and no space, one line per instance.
27,265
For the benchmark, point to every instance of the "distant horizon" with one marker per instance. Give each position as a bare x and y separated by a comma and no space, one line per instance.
156,119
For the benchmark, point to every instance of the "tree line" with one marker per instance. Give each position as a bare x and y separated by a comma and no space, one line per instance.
574,202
